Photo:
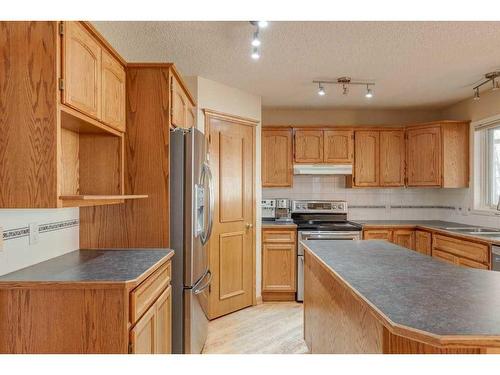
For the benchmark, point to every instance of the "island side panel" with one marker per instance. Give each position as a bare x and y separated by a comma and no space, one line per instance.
334,320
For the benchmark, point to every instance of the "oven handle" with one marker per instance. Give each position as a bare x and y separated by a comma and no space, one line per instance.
326,236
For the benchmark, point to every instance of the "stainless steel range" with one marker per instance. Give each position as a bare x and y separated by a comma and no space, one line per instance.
320,220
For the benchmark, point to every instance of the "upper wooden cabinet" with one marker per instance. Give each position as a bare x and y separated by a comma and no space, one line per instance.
338,146
93,81
183,111
392,158
317,146
309,146
81,69
438,155
277,158
366,158
113,92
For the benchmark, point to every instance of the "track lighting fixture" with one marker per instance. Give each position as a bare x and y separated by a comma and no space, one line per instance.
256,42
345,82
255,53
488,77
321,90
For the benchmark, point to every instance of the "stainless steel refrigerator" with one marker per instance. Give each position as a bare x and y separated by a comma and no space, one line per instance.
191,219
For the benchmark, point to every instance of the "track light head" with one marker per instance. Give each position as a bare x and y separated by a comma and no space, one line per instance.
321,90
255,39
369,92
476,94
496,84
255,53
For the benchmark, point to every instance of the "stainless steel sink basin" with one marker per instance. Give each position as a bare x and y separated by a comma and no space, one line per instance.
472,230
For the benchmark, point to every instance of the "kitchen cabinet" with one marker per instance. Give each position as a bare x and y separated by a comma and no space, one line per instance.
338,146
392,158
308,146
377,234
279,262
423,242
404,238
152,332
366,158
59,151
461,252
129,315
277,158
438,155
183,112
113,92
81,69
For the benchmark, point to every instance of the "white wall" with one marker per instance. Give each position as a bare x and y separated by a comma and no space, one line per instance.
222,98
59,237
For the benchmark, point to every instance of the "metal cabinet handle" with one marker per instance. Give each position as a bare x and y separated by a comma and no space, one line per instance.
248,226
207,173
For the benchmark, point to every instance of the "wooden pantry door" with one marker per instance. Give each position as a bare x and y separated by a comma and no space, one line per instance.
232,244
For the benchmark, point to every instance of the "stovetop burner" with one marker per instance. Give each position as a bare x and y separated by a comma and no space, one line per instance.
322,216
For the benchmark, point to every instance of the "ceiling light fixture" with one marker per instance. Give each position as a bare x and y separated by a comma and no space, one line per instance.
345,82
369,92
255,53
488,77
256,40
321,90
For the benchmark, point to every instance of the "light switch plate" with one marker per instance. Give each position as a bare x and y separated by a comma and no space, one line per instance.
34,233
1,238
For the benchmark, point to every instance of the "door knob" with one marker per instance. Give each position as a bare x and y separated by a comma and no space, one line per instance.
249,226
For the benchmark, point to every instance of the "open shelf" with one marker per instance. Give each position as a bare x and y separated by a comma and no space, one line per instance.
95,200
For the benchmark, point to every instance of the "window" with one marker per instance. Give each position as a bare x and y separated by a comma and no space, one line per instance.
487,165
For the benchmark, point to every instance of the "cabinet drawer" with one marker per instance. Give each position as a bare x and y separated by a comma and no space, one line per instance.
471,264
444,256
466,249
142,297
278,236
377,234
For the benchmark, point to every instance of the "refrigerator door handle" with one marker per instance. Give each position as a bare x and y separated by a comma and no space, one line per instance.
206,285
207,173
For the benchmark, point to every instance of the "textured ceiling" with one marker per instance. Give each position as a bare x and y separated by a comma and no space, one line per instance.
414,64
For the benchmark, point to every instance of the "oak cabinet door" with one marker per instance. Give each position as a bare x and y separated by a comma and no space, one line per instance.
448,258
276,158
378,234
179,104
392,158
143,335
113,92
423,242
366,158
81,68
164,322
404,238
471,264
278,267
424,156
309,146
338,146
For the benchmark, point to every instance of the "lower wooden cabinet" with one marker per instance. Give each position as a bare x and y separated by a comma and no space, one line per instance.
423,242
461,252
152,334
404,238
279,264
377,234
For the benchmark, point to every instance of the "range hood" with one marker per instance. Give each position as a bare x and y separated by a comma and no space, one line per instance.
339,169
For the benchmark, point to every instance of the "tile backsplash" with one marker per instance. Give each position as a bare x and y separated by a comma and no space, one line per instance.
59,234
387,203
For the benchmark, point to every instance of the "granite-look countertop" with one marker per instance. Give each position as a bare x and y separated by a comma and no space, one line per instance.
434,225
89,265
266,224
415,290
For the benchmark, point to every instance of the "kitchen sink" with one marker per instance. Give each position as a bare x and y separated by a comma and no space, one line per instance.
473,230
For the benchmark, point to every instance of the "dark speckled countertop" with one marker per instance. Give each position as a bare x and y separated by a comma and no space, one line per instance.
415,290
91,266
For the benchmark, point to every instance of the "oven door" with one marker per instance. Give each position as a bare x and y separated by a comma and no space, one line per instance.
325,236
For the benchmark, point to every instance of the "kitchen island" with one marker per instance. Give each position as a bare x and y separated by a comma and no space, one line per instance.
376,297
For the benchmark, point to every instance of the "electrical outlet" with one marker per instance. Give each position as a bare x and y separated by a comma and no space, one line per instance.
34,233
1,238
